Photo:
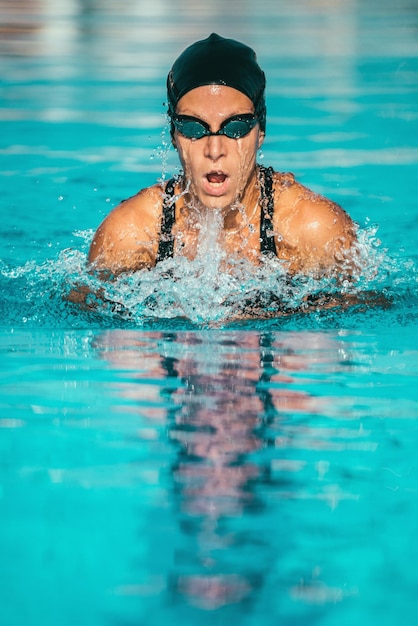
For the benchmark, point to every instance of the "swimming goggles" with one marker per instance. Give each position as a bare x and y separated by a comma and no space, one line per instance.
234,127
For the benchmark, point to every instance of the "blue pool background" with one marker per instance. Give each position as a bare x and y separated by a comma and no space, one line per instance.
173,470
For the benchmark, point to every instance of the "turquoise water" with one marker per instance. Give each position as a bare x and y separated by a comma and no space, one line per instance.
162,461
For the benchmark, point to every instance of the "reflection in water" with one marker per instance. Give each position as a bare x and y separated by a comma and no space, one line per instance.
215,426
228,399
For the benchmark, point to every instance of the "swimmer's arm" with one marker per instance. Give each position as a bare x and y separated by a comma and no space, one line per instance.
124,242
115,249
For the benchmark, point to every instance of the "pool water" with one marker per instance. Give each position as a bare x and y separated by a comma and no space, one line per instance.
162,460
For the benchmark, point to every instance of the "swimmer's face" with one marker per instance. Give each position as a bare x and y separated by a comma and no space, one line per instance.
218,168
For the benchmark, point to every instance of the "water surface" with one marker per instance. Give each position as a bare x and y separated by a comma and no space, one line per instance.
163,461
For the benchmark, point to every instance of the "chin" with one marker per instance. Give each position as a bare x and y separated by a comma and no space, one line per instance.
216,202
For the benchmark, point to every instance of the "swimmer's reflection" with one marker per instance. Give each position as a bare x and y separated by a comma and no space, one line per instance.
221,407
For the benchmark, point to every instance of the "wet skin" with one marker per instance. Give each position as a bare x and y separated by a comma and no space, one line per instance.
221,170
313,235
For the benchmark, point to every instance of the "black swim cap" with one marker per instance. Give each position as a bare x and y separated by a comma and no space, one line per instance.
218,61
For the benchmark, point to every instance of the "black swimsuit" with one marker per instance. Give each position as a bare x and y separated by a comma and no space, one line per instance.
267,243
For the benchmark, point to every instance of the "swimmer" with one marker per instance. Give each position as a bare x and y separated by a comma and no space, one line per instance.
217,114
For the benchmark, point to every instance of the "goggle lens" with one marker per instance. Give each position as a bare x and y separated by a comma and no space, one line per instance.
234,127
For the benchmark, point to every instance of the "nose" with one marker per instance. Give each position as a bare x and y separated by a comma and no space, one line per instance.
215,147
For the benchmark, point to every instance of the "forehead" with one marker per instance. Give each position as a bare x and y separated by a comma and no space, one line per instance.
214,101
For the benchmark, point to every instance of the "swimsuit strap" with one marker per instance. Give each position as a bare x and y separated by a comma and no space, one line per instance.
267,243
168,218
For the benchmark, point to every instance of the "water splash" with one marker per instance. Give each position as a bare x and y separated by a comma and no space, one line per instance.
210,290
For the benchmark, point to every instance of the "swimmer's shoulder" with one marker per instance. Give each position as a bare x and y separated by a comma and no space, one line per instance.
312,227
301,207
128,237
144,207
288,190
284,180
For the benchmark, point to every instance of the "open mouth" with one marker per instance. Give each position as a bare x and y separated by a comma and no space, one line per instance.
216,178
